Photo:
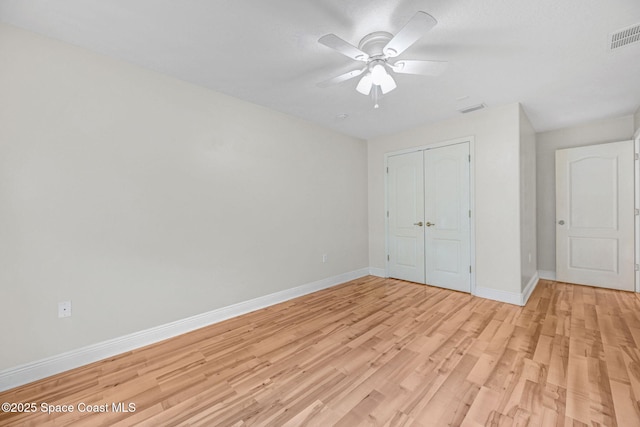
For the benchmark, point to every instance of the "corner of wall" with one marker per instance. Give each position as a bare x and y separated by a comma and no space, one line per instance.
527,194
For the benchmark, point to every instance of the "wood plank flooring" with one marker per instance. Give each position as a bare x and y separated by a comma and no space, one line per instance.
375,352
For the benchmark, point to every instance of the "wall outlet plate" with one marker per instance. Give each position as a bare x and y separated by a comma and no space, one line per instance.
64,309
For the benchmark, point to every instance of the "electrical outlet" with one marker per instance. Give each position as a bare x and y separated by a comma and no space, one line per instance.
324,258
64,309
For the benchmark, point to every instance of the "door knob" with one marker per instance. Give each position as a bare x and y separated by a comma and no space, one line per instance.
429,224
561,222
419,224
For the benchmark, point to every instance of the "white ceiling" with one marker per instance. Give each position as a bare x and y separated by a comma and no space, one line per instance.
550,55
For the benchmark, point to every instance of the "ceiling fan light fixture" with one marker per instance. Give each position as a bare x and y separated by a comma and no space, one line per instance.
387,84
365,84
378,74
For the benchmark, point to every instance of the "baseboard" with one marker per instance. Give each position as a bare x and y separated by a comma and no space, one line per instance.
547,275
40,369
528,290
515,298
378,272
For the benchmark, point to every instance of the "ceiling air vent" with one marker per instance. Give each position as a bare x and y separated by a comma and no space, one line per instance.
625,37
466,110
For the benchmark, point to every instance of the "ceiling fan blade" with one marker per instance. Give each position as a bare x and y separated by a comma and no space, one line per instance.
342,78
387,84
365,84
336,43
425,68
409,34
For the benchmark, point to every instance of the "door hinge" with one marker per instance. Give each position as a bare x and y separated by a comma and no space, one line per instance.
637,211
387,170
469,158
637,267
637,156
388,258
469,269
387,214
469,213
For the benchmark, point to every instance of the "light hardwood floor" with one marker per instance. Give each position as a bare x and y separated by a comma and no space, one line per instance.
376,352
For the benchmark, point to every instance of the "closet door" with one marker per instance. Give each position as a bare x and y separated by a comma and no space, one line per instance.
405,191
447,217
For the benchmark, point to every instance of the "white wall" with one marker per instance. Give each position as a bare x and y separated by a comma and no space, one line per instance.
497,187
598,132
528,251
145,200
636,120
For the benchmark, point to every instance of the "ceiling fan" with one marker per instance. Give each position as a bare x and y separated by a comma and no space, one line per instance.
377,51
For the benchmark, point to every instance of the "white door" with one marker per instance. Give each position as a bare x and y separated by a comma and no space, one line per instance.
595,215
428,217
406,216
447,217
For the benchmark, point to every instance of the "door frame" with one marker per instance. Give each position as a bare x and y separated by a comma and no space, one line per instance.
636,151
472,228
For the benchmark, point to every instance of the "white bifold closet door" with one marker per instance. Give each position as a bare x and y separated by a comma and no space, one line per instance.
405,188
429,217
595,215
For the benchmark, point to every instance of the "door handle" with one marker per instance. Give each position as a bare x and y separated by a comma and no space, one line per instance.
429,224
419,224
561,222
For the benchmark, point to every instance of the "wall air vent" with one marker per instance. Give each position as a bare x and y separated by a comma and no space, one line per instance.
471,108
625,37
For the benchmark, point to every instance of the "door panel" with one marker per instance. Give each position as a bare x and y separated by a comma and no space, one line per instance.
406,210
595,215
447,217
447,253
594,205
583,256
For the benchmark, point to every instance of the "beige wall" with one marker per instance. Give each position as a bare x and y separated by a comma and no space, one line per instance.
497,187
145,200
528,251
597,132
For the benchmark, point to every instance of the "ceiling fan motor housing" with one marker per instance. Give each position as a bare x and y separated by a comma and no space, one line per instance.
374,43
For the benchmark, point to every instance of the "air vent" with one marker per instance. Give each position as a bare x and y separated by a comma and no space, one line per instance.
472,108
625,37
